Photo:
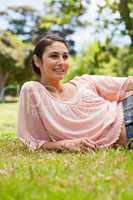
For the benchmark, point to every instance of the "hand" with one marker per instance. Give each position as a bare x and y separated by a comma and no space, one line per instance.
87,144
130,84
80,144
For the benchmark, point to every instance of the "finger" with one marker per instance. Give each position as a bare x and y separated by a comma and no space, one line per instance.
85,148
90,141
88,144
93,143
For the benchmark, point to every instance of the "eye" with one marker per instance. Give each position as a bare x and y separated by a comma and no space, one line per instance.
65,57
54,56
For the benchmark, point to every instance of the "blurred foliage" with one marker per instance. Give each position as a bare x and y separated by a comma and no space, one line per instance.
13,53
116,17
102,59
21,20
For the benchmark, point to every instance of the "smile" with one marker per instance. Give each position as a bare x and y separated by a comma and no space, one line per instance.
59,70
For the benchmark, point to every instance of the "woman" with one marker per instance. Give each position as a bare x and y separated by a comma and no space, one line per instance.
85,113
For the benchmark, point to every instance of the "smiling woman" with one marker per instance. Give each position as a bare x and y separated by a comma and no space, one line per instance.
84,114
50,60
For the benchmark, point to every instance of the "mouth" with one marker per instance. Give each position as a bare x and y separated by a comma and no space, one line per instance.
59,70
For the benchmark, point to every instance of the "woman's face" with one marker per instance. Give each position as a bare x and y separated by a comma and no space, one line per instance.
55,61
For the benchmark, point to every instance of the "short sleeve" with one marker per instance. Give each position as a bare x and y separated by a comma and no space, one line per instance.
108,87
30,128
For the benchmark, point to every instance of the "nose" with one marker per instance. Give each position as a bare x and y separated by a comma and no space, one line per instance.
60,60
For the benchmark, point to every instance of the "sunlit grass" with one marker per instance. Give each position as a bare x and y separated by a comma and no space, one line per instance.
26,175
8,118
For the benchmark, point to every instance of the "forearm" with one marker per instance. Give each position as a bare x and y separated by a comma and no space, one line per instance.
72,145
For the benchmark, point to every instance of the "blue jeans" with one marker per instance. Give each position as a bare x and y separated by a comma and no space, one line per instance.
128,118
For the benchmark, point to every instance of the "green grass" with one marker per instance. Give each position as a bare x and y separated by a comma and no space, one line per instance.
8,118
26,175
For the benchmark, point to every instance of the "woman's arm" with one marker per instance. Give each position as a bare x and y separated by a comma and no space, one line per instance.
108,87
112,88
73,145
57,145
30,129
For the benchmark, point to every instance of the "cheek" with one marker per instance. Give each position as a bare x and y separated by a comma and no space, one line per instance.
48,63
51,62
67,64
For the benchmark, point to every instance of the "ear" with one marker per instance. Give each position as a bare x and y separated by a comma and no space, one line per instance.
36,61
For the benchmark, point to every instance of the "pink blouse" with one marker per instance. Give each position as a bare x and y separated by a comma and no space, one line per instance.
95,111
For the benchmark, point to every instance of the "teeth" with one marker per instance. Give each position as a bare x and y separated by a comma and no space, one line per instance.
59,70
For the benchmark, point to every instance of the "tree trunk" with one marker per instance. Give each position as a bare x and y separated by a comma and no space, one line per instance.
3,79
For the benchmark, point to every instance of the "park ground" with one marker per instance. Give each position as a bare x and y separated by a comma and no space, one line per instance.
38,175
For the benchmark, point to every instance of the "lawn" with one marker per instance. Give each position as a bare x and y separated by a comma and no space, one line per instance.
26,175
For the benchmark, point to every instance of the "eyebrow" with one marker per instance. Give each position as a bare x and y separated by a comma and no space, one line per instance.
56,52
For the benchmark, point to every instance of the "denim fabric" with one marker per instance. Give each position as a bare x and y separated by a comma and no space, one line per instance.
128,118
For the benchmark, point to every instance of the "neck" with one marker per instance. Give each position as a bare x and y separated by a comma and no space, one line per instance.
52,85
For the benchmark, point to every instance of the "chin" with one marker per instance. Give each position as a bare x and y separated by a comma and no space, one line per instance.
59,77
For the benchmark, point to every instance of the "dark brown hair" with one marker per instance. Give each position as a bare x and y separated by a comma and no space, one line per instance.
41,45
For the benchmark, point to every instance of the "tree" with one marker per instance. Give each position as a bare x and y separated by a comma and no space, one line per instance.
102,59
119,20
13,52
21,20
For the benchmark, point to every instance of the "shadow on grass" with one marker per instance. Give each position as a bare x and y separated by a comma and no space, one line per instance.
8,101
